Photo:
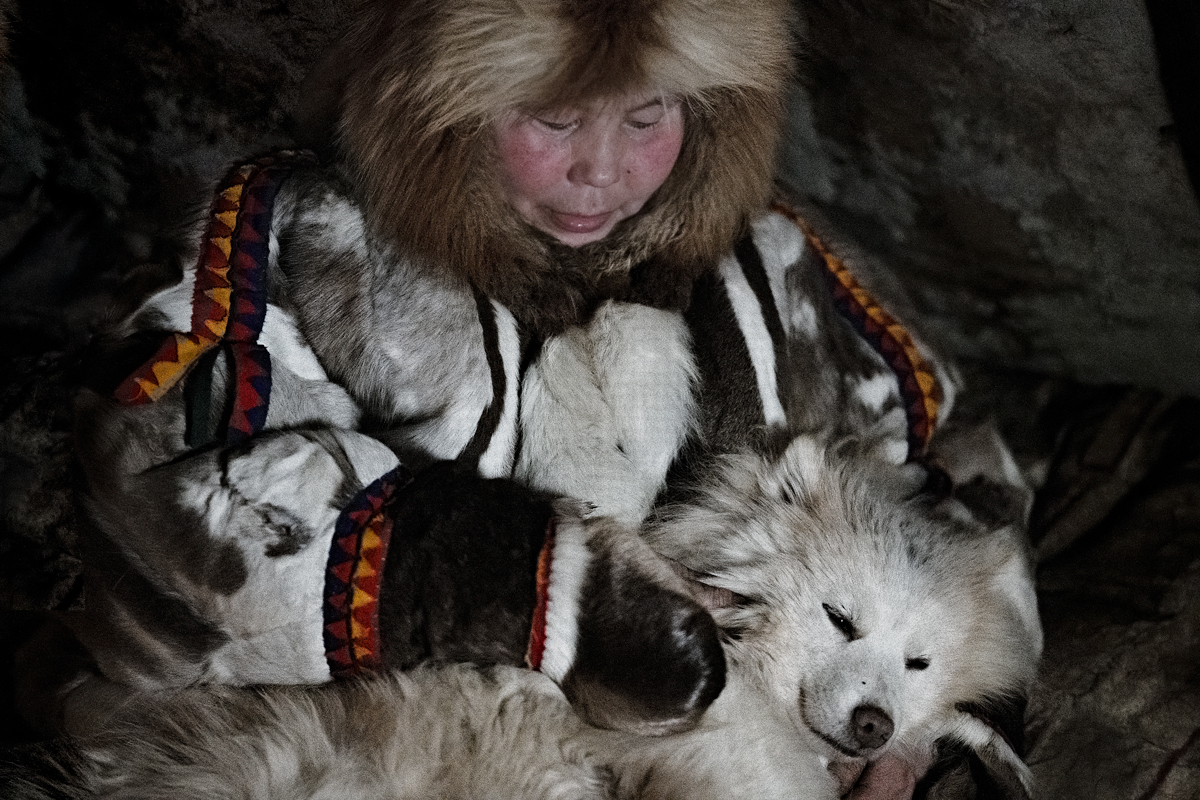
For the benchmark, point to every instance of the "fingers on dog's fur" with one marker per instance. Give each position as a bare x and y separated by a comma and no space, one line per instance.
648,658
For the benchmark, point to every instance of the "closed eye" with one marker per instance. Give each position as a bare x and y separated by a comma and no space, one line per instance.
556,126
643,125
841,622
917,664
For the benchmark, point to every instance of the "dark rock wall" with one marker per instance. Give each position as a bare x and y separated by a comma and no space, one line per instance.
1017,164
129,101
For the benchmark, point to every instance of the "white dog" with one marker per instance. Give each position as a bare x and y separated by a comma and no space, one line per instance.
879,618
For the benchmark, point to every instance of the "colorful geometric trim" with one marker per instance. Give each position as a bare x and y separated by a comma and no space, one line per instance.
919,387
537,631
353,575
229,299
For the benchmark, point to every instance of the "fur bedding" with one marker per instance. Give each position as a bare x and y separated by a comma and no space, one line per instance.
430,734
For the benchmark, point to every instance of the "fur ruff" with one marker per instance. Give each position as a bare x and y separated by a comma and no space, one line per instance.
427,80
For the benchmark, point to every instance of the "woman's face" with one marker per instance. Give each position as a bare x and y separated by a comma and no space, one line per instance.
576,172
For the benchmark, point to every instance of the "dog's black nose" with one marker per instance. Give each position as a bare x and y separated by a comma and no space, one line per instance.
872,727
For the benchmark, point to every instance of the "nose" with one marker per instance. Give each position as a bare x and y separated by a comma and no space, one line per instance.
597,155
871,726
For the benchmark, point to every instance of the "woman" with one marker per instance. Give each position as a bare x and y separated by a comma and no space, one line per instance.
541,250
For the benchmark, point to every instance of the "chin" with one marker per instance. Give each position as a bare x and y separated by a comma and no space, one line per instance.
572,239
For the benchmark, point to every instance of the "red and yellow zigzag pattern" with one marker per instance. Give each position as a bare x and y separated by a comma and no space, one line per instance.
919,386
229,298
211,300
353,575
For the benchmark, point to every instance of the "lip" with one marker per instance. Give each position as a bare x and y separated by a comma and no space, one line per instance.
579,223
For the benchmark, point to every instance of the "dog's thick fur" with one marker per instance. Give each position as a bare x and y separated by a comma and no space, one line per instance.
881,618
444,733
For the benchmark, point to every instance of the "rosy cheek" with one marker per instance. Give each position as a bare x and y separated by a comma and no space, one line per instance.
528,159
657,157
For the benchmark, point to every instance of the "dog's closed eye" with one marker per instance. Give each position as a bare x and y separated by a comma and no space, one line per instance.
917,664
841,622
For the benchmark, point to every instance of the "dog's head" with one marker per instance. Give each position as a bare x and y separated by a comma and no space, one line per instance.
878,617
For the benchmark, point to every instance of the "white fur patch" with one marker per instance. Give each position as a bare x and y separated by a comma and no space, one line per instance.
605,408
1015,581
873,392
497,460
274,618
803,319
301,392
286,345
568,570
979,736
745,748
371,458
782,244
343,229
445,435
758,341
895,451
275,640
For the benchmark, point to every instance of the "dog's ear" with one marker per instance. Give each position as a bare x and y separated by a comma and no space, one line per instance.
1013,579
705,593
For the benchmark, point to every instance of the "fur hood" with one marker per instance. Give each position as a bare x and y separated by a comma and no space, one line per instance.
425,79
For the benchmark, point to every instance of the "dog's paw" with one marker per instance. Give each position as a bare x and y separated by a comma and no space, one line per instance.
630,649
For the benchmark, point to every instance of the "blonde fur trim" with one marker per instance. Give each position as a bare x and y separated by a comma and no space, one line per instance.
429,79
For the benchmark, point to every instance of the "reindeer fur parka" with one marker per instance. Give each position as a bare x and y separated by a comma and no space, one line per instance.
395,295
